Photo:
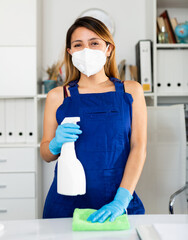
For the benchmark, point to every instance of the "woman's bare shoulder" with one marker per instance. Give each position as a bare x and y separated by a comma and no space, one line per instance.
133,87
55,96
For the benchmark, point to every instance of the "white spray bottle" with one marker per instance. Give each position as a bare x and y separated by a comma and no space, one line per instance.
71,178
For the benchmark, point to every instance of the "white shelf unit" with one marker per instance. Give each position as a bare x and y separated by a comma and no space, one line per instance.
20,64
170,82
170,60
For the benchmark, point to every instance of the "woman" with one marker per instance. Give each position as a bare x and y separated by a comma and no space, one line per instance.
110,139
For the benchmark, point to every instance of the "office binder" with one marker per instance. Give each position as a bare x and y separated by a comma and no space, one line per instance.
10,127
30,119
2,121
20,118
144,64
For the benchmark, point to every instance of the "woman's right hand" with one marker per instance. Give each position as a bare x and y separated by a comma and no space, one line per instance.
66,132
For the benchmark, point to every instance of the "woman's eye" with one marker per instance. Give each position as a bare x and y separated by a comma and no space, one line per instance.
77,45
95,43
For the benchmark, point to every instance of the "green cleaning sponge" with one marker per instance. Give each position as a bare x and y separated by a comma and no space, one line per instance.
80,222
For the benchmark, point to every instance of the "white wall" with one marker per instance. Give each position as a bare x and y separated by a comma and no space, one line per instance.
59,15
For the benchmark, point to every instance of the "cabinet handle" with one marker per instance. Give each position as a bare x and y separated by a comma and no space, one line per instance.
3,210
3,160
3,186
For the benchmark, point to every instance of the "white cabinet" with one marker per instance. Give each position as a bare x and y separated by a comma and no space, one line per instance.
17,209
17,160
17,183
18,71
17,120
171,72
18,23
20,59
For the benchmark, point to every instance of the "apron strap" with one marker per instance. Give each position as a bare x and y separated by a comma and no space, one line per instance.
119,85
73,89
75,98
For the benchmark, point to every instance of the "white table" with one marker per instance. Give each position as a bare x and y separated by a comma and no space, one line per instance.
62,228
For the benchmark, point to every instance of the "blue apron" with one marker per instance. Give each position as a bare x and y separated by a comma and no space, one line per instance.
102,148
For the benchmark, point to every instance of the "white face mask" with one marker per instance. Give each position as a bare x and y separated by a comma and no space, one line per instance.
89,61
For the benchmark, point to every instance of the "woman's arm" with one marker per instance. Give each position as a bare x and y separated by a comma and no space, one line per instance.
53,101
138,145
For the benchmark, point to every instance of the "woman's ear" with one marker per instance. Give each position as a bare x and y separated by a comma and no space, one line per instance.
69,51
109,50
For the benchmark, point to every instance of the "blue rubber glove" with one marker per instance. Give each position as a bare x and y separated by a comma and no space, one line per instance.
114,209
64,133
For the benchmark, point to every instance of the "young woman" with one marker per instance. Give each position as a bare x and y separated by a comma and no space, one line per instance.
111,137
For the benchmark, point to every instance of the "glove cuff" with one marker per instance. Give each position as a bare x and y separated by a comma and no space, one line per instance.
124,196
54,150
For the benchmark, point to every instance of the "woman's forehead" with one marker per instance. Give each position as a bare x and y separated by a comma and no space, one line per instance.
83,34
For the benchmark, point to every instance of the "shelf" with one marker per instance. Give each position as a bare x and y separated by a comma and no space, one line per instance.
41,96
172,3
12,145
149,94
21,96
172,46
172,94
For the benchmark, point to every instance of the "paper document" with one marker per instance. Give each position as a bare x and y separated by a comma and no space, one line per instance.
163,231
172,231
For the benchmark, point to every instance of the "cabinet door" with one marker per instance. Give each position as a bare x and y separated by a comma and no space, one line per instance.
172,71
18,22
17,185
17,209
18,71
17,160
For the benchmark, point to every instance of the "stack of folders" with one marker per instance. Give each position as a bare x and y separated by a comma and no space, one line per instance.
144,64
17,121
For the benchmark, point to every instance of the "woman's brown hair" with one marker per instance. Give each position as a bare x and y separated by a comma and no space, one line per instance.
95,25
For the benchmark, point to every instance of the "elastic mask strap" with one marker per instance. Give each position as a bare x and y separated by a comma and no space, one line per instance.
106,48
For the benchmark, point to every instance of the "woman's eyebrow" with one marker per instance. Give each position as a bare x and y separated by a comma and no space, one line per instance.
76,41
94,39
88,40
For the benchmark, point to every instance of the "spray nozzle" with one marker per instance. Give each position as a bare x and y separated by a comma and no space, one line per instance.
71,120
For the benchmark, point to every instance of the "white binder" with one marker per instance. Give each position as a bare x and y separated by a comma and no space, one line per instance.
144,64
10,127
2,121
29,120
20,119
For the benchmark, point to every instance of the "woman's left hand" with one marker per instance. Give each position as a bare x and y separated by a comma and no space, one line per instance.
113,209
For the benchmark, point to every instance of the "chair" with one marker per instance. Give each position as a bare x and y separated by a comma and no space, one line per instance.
164,173
173,196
